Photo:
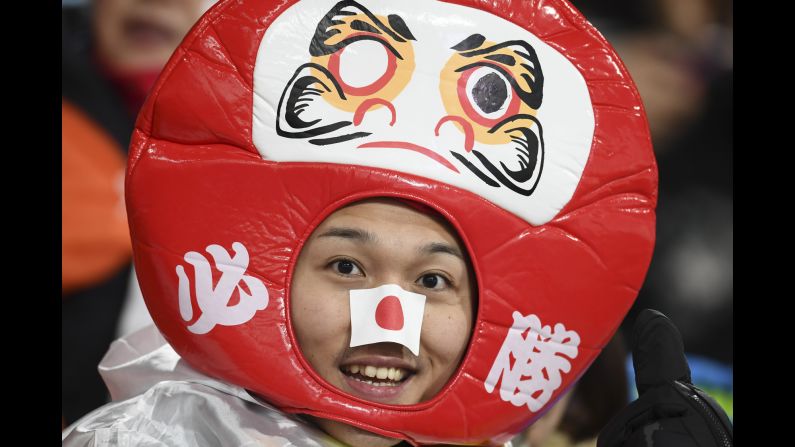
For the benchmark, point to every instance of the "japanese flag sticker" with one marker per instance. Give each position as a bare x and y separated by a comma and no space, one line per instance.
387,313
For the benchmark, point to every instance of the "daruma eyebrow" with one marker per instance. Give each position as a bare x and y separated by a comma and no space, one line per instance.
503,59
396,30
529,70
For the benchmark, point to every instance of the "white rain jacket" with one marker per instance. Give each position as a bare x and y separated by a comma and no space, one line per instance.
159,400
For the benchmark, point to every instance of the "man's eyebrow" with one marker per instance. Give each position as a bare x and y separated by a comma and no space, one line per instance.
440,247
349,233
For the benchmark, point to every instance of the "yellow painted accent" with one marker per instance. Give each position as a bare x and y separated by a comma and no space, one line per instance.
448,89
401,78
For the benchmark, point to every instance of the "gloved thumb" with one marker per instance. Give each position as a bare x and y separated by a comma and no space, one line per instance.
658,353
670,411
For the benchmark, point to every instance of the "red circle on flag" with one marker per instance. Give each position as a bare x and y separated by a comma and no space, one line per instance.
389,313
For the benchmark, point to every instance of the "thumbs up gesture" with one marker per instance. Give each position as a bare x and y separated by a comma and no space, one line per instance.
670,411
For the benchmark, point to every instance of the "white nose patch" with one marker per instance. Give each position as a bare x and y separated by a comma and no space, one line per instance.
387,313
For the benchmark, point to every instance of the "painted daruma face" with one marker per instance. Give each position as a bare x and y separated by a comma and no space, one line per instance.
364,246
455,94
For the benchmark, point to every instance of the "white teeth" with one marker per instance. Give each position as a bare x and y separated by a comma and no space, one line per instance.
370,382
382,373
370,371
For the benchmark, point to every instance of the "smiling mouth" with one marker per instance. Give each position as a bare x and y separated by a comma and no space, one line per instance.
412,147
377,383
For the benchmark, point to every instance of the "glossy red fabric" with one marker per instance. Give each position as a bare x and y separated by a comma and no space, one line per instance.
195,179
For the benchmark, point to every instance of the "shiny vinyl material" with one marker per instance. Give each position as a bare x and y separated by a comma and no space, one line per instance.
200,175
158,400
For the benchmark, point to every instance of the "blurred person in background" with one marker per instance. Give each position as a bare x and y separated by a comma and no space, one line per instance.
679,53
112,53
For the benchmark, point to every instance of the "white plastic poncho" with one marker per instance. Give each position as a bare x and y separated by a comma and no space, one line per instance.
159,400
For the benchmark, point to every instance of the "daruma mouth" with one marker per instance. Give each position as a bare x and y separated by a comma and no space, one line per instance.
412,147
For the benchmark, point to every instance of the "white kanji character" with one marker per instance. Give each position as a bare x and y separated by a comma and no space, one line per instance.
539,360
214,303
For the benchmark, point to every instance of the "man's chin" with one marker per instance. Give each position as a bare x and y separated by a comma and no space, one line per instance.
353,436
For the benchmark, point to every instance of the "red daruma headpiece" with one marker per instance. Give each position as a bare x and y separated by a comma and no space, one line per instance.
514,120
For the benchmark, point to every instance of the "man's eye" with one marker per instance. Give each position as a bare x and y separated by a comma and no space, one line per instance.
433,281
346,267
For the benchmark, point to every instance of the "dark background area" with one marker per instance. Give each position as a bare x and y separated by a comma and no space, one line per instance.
679,52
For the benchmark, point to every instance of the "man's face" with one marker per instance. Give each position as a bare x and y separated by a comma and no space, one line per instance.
364,246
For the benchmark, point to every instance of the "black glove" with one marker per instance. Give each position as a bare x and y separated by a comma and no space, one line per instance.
670,411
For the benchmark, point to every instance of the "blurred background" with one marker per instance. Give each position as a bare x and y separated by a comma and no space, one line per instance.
679,52
112,53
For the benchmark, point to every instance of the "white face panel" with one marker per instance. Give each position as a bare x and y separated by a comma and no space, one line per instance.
437,90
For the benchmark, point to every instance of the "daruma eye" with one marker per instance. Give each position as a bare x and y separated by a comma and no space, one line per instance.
486,95
363,67
490,93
